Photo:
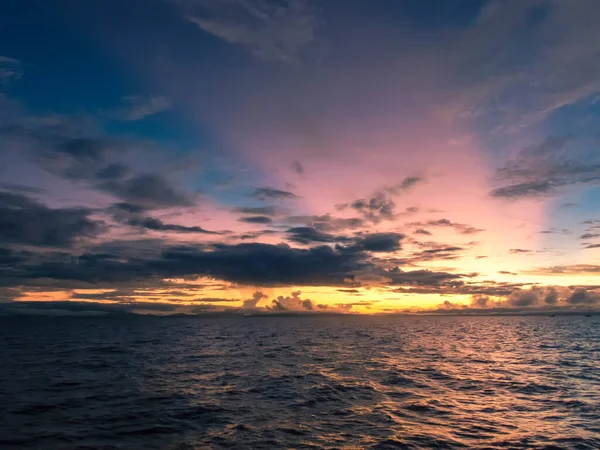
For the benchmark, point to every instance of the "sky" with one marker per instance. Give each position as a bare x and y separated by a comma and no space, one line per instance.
262,156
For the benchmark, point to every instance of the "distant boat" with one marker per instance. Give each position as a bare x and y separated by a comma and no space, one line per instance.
552,315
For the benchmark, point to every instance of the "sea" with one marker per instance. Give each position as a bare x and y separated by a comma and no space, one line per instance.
305,382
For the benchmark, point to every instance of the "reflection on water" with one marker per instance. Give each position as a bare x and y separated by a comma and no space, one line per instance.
304,382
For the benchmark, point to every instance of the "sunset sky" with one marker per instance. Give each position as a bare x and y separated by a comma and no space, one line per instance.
198,156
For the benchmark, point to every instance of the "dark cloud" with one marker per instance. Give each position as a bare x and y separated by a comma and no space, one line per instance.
154,224
524,190
454,284
258,211
266,194
544,168
148,190
445,223
380,242
349,291
443,250
112,171
20,188
406,184
263,264
433,250
256,234
556,231
381,206
552,298
374,209
422,231
589,236
256,219
582,296
574,269
25,221
588,246
481,301
326,222
524,298
63,148
569,205
374,242
132,215
592,230
420,277
79,308
309,235
297,168
516,251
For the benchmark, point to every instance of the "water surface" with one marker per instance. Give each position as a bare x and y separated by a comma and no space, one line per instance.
300,382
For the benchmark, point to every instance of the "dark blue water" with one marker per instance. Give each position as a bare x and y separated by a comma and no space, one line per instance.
300,382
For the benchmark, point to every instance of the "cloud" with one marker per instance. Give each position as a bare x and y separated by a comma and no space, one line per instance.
154,224
294,303
258,211
589,236
252,303
266,193
406,184
152,191
420,277
256,219
272,30
291,303
521,89
582,296
374,209
25,221
518,251
591,231
381,206
327,222
309,235
380,242
297,168
535,298
574,269
544,168
79,308
445,223
61,149
373,242
138,108
422,231
262,264
10,70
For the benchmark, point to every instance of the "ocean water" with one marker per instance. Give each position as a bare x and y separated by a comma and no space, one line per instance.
300,382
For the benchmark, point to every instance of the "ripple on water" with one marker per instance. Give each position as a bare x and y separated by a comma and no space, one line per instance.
338,382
